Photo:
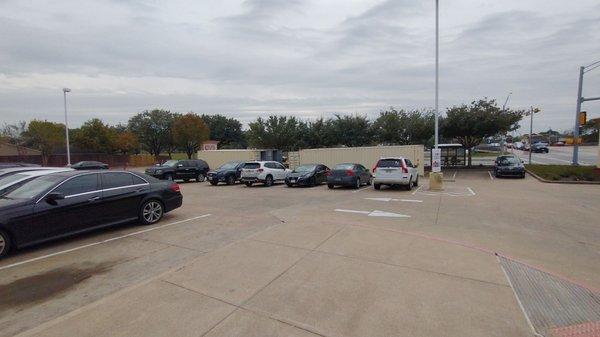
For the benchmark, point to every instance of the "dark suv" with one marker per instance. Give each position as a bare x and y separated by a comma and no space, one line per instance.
180,169
228,173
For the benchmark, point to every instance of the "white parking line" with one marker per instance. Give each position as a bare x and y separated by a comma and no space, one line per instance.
471,190
360,189
491,177
100,242
417,190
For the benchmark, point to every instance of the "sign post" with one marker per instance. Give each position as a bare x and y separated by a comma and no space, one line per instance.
436,179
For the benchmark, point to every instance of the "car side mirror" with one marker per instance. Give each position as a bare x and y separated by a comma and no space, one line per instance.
52,197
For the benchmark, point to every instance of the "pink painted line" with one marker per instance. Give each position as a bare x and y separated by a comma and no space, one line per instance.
491,252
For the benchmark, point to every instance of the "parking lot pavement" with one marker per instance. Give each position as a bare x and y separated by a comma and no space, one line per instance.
282,261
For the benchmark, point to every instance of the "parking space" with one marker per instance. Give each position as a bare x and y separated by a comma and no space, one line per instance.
258,261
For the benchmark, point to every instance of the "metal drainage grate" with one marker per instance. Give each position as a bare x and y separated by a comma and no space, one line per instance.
550,302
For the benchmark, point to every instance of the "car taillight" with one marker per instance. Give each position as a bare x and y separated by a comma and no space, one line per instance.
175,187
404,168
327,173
260,170
349,173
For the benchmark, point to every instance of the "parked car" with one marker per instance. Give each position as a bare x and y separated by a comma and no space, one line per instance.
12,181
519,145
559,143
540,148
349,174
228,173
9,165
266,172
89,165
308,175
509,166
66,203
395,171
180,169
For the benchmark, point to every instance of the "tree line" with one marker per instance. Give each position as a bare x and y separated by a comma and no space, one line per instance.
161,131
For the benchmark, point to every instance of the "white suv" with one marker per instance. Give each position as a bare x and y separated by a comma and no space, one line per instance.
266,172
395,171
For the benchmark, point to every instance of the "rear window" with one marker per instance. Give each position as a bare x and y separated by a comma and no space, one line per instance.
389,163
344,167
252,166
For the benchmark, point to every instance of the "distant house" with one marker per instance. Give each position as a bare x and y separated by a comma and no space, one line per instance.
209,145
8,149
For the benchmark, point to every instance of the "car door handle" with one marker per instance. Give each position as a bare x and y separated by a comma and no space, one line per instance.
96,198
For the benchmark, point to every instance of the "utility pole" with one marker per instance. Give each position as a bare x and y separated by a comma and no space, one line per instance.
531,112
437,69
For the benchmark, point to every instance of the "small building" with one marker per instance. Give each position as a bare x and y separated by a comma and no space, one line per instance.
216,158
209,145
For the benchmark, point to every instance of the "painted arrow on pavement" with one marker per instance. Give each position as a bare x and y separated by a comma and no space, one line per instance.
391,199
374,213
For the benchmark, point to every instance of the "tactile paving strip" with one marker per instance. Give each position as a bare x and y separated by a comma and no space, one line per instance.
591,329
551,302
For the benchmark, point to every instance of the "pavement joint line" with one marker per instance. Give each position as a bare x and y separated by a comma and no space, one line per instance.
360,258
512,288
43,257
170,244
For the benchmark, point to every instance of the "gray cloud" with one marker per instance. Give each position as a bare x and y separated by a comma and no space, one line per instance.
297,57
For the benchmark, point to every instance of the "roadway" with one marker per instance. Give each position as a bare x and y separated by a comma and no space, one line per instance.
562,155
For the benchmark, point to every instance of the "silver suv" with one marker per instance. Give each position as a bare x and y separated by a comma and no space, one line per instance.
395,171
266,172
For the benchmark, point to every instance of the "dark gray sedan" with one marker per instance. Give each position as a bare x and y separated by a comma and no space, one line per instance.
509,166
349,174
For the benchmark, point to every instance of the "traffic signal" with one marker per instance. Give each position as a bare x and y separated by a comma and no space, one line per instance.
582,117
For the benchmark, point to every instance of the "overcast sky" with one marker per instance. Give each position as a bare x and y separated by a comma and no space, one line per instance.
307,58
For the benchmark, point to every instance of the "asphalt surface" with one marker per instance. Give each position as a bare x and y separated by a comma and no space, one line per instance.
238,261
562,155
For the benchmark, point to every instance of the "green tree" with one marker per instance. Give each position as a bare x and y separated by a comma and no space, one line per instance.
470,124
399,127
126,142
95,136
277,132
228,131
45,136
153,130
189,131
349,130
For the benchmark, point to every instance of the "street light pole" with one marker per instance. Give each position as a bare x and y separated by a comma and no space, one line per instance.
532,111
437,42
581,99
65,91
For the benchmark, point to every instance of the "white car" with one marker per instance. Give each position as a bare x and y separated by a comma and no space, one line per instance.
9,181
266,172
395,171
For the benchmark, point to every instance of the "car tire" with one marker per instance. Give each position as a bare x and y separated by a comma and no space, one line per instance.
357,184
289,185
417,182
248,183
200,177
214,183
230,180
5,243
523,176
410,184
151,212
169,177
330,186
313,182
370,181
269,181
377,186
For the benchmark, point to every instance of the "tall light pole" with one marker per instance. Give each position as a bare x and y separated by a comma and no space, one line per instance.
503,139
532,111
65,91
437,68
581,99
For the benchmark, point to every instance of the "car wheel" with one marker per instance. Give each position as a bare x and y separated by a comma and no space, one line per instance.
523,176
230,180
377,186
417,182
370,181
200,177
289,185
330,186
248,183
410,184
151,212
357,185
4,243
169,177
214,183
269,181
313,181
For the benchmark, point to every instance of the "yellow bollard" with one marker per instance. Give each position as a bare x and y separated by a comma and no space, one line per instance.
436,181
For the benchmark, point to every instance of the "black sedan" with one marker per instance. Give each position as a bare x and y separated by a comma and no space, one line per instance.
228,173
349,174
509,166
67,203
307,175
89,165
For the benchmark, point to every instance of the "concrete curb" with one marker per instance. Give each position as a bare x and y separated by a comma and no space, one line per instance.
561,181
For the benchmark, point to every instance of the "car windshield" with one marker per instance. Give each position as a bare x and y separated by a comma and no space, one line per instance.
305,168
230,165
507,161
33,187
344,167
12,178
171,163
